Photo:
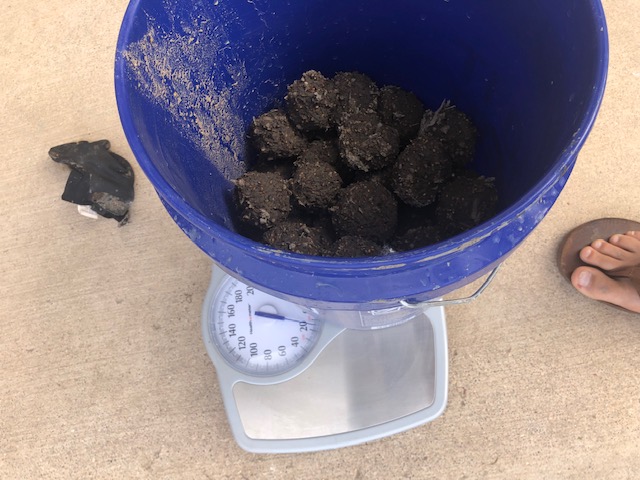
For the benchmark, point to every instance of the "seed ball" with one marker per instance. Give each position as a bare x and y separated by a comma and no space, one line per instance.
273,136
311,101
315,184
458,135
297,237
366,209
321,151
264,198
356,93
417,237
353,247
467,202
367,144
284,168
327,151
420,171
401,110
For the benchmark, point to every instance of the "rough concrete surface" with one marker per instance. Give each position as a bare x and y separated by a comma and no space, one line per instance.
103,372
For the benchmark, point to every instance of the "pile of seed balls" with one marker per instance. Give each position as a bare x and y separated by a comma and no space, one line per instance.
348,169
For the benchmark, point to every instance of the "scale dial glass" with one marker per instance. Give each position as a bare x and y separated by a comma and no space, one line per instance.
259,334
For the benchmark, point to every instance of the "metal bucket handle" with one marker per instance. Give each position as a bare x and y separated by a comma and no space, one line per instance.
453,301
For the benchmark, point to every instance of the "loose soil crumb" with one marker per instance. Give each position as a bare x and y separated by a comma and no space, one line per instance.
349,169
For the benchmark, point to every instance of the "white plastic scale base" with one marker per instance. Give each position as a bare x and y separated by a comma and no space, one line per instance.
292,382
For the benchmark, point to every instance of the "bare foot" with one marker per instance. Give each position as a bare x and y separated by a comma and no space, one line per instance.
621,251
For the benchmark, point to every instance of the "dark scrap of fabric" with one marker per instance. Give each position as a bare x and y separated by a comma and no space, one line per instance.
99,178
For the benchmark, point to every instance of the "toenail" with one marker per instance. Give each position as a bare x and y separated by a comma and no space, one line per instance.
597,244
586,253
584,279
615,239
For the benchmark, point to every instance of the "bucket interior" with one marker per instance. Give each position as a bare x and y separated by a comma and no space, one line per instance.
191,76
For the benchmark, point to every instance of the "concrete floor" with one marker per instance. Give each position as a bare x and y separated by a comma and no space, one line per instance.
103,370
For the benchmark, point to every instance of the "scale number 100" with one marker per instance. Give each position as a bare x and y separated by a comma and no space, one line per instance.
268,353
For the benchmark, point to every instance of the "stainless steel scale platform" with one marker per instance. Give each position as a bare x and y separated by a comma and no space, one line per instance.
295,379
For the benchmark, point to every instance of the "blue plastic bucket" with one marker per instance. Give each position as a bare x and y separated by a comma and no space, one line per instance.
191,75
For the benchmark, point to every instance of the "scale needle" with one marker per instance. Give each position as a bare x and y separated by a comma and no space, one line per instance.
276,316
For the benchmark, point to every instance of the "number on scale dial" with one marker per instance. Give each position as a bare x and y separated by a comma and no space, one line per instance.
260,334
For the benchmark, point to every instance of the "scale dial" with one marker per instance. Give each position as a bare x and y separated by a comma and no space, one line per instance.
257,333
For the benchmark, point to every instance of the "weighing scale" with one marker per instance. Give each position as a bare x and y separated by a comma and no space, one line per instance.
295,379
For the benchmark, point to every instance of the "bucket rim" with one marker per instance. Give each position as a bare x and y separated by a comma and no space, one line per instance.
467,238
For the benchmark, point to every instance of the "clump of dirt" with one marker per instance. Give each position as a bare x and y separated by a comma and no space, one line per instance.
356,94
466,201
420,170
367,144
366,209
315,184
351,246
264,199
349,169
297,237
311,101
275,137
401,110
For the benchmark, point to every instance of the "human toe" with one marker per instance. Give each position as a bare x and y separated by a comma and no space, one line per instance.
629,242
602,254
595,284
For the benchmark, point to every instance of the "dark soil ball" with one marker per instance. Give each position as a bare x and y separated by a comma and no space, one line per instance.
295,236
353,247
467,202
315,184
264,198
367,144
412,217
321,220
401,110
311,101
366,209
421,169
322,151
382,176
458,135
356,94
417,237
327,151
284,168
347,131
273,136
